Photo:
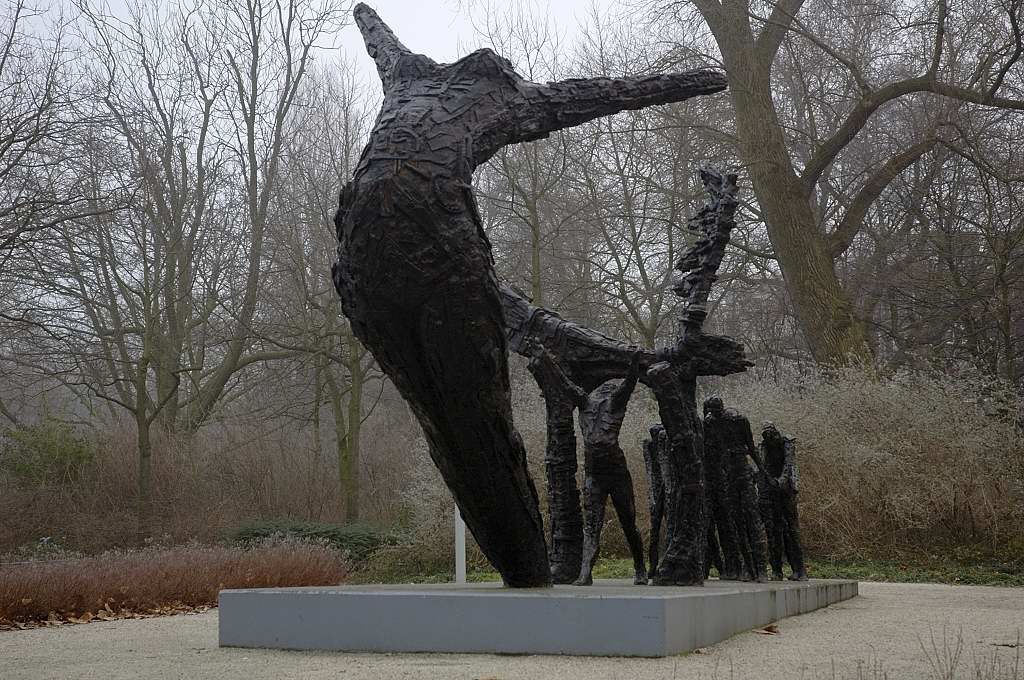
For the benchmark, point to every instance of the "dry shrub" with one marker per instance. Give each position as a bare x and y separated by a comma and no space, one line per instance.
925,463
909,462
429,520
204,484
156,578
912,462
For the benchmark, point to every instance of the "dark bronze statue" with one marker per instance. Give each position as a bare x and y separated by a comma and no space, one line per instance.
655,449
606,474
590,358
720,520
565,550
415,272
730,432
713,552
682,561
780,478
675,386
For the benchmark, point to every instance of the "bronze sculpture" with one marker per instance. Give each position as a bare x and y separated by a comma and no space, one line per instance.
565,550
606,474
782,480
731,432
720,513
590,358
415,272
654,450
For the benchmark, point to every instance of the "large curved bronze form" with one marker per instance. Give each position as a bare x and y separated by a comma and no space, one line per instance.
415,273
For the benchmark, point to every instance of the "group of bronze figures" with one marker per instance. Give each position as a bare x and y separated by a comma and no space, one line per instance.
750,497
416,279
750,493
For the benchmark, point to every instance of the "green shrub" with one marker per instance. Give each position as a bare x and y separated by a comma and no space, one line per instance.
357,541
48,452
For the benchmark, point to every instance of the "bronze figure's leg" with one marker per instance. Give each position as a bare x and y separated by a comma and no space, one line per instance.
566,549
712,554
653,453
775,528
624,502
594,497
721,515
793,546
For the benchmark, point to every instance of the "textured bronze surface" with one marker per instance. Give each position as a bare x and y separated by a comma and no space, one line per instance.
654,448
779,483
415,273
721,521
729,433
565,550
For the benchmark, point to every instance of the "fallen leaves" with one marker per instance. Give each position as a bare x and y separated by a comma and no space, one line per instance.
770,629
104,614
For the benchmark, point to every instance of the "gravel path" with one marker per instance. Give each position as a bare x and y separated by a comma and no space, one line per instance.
886,632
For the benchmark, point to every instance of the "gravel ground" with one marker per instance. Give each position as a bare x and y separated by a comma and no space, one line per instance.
891,631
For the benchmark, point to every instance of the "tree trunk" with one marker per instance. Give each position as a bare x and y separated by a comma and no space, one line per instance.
350,458
340,433
825,310
144,529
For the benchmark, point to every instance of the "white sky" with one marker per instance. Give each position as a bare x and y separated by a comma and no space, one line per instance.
443,29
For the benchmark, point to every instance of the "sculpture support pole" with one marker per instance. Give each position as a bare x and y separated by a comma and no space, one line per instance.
460,548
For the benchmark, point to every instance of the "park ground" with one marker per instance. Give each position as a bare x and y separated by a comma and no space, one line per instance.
891,631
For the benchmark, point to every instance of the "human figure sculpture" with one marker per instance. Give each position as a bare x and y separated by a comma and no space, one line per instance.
781,477
721,520
415,272
606,474
713,551
654,448
565,549
736,445
671,372
604,468
682,470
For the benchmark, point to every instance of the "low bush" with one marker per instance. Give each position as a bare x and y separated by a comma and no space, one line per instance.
356,541
154,579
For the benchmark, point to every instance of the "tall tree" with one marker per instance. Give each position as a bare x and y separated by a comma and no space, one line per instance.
749,41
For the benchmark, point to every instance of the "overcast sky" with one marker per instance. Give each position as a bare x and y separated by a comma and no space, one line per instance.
443,29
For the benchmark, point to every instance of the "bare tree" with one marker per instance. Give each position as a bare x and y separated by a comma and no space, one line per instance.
41,185
934,42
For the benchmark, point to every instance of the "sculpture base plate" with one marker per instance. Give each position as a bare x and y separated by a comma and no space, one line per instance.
610,618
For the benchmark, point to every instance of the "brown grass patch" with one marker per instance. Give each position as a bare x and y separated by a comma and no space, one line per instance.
161,580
